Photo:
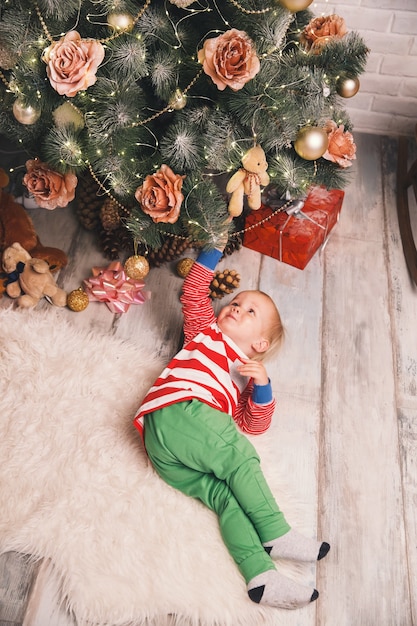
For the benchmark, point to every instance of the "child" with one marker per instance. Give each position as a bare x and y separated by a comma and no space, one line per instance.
188,420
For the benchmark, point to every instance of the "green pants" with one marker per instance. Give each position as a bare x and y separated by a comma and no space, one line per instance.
200,451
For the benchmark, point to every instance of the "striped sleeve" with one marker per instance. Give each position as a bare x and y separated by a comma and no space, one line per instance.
253,418
196,304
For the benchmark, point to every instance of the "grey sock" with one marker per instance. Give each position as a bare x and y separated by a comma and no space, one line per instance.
274,589
295,546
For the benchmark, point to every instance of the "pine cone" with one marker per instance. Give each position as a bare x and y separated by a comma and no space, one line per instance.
88,203
224,282
172,248
115,242
109,214
234,243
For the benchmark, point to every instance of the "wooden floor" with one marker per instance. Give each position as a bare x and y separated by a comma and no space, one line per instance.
346,382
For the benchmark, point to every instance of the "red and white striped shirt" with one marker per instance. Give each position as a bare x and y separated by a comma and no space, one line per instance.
206,367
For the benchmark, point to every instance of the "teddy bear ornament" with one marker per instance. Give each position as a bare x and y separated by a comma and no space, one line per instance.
247,181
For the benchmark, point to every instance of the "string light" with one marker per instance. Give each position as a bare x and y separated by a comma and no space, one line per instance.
115,35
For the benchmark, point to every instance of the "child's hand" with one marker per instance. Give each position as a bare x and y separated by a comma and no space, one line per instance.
255,370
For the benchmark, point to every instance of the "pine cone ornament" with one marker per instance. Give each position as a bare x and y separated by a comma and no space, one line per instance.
172,248
109,214
115,242
224,282
89,202
234,243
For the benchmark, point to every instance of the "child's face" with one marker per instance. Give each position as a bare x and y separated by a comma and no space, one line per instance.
244,320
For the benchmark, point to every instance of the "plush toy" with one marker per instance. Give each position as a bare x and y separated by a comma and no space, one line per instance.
30,276
247,181
17,226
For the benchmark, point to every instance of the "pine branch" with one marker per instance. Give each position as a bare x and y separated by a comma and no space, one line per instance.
204,214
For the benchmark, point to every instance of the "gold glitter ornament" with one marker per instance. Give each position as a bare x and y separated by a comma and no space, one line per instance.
183,266
347,87
136,267
25,114
311,143
77,300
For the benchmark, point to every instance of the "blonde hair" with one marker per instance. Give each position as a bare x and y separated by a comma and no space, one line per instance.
274,331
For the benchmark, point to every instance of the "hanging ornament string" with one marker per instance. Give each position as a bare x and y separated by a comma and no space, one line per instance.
4,80
280,209
236,233
169,106
106,39
248,11
107,192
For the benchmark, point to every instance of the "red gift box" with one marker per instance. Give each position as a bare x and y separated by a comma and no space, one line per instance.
295,234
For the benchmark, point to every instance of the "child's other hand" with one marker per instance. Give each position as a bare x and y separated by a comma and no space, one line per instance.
255,370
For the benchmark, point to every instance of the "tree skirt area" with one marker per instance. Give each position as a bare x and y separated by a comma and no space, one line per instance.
76,486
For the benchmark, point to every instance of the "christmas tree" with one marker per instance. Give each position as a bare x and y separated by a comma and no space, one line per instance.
159,103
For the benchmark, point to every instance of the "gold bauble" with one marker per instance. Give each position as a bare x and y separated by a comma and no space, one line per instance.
183,266
295,5
25,114
77,300
120,21
311,143
347,87
178,100
136,267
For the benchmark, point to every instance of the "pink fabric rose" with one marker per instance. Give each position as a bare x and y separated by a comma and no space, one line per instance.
341,148
50,189
229,59
160,195
72,63
321,30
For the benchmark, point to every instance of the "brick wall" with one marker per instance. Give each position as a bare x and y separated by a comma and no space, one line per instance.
387,100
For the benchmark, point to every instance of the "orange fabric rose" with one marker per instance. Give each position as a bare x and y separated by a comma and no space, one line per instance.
50,189
229,59
321,30
72,63
341,148
160,195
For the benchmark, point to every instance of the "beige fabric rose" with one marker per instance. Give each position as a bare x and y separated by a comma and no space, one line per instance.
50,189
72,63
321,30
229,59
160,195
341,148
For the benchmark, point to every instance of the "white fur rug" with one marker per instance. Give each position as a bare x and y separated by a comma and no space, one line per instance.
76,487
